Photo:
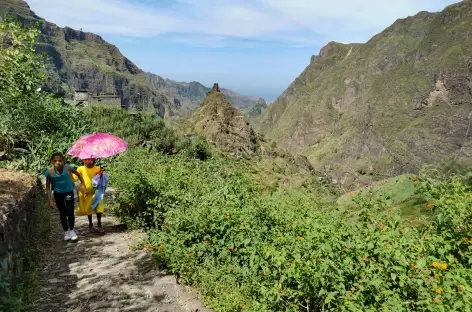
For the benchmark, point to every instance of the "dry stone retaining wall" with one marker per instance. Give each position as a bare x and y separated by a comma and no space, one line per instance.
18,192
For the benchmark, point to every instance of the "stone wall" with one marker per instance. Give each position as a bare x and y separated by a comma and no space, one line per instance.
18,193
106,101
81,96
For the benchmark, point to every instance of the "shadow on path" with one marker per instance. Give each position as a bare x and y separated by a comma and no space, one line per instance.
102,273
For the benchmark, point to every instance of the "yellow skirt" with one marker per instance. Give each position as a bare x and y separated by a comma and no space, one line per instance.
85,204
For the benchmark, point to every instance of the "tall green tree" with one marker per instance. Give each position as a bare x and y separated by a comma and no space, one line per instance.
31,120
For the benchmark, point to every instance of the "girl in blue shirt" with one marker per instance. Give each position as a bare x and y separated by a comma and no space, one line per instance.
59,179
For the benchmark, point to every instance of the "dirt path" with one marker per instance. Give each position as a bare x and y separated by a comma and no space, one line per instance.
103,273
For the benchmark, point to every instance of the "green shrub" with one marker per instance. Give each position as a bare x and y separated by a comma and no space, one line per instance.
145,130
137,130
198,148
32,123
255,250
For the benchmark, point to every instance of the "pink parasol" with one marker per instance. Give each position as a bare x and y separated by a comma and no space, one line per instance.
97,145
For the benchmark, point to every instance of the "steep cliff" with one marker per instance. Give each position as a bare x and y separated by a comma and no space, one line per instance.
361,112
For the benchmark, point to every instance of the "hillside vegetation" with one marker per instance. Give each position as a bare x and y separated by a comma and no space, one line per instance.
248,235
364,112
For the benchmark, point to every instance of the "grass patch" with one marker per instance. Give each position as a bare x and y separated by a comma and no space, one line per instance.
399,192
451,57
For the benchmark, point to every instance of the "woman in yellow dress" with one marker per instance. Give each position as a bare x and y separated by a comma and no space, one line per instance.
88,171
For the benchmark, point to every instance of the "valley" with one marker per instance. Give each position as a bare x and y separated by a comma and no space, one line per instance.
364,112
351,192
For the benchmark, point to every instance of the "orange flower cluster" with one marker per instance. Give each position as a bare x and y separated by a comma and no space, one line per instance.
442,266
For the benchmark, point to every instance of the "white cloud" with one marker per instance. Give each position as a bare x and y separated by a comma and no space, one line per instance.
351,21
107,16
291,22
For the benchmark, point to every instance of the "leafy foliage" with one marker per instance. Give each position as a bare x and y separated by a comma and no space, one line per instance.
145,130
255,250
32,123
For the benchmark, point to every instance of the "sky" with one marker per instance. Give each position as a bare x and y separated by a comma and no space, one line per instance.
254,47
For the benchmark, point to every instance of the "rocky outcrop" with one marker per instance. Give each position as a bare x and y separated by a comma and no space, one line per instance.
257,109
216,88
450,90
18,193
224,125
439,95
254,112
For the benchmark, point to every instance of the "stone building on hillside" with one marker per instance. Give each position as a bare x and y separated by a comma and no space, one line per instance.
85,98
81,97
109,99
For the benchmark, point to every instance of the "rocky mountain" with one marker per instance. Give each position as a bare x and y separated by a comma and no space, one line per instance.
224,125
226,128
244,102
361,112
81,60
194,93
254,112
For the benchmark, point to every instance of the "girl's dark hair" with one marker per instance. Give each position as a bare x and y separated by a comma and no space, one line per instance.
55,154
94,160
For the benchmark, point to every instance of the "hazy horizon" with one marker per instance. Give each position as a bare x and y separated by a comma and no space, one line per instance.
256,48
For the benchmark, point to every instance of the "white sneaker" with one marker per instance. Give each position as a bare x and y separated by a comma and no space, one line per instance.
73,235
66,236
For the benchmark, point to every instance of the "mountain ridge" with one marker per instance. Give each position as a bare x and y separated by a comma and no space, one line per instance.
84,60
367,111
